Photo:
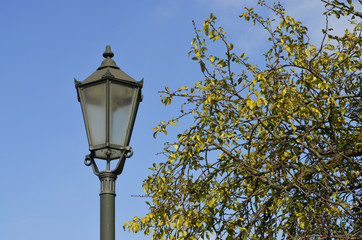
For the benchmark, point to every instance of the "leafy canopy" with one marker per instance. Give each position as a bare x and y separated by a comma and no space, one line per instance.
275,149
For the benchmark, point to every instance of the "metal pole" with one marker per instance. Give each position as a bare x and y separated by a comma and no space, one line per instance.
107,197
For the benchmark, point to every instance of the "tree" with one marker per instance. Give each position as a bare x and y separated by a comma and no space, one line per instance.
275,150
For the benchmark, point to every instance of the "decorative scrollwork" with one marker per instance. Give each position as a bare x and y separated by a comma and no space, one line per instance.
129,153
88,160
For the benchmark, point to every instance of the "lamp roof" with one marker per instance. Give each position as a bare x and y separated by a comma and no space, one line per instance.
108,68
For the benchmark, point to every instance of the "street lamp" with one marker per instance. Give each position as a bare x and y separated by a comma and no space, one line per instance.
109,99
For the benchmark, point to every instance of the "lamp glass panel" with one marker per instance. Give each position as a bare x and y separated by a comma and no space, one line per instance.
94,103
121,103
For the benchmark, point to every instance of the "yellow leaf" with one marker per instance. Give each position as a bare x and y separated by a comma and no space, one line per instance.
334,195
302,225
125,224
135,227
179,222
183,88
311,48
307,53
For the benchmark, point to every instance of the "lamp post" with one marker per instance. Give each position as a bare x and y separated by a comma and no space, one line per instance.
109,99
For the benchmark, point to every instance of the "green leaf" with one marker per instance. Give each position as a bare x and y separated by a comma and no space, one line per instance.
202,65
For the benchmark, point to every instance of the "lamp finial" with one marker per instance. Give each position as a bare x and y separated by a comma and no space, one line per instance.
108,52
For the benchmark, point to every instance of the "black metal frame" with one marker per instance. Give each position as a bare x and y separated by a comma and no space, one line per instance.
108,78
127,152
109,73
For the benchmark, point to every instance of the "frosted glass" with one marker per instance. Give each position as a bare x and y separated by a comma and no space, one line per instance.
94,100
121,101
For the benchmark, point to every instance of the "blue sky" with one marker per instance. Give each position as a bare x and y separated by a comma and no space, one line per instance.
47,191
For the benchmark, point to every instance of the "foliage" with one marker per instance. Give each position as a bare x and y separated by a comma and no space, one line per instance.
274,151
